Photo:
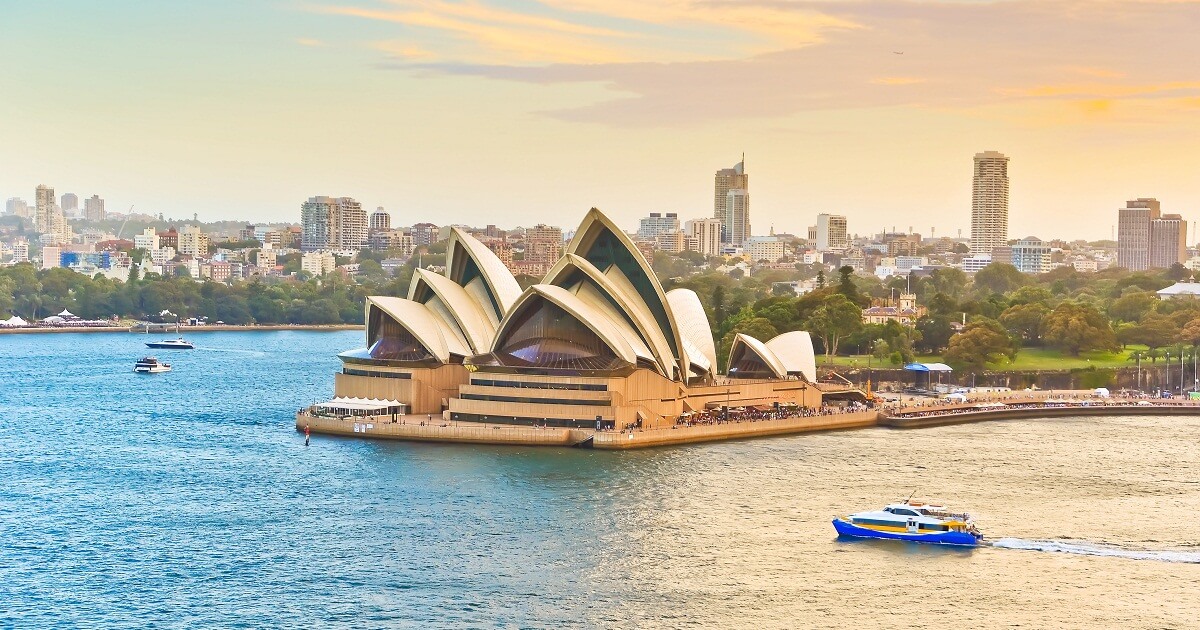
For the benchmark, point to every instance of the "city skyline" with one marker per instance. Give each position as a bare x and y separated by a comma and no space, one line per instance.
195,128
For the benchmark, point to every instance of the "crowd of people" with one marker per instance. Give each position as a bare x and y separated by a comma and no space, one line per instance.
751,414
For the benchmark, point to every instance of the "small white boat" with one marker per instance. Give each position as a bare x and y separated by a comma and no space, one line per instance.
171,344
150,365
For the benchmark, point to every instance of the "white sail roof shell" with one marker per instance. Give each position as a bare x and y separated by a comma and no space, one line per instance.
466,312
694,328
498,280
759,348
424,325
795,351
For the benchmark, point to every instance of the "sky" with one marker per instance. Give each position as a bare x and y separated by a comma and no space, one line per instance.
526,111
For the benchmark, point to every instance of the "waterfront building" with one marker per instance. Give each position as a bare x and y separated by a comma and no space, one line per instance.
380,220
1029,255
831,233
989,202
93,209
655,224
332,224
707,235
598,343
728,179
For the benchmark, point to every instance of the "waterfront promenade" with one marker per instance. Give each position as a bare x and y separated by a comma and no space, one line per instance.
184,329
917,415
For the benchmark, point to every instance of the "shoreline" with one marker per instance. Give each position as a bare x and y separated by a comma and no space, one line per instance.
183,329
442,430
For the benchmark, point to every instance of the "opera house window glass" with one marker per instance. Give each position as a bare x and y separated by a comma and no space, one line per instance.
745,363
393,342
546,336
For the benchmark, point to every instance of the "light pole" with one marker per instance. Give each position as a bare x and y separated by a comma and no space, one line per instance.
1167,370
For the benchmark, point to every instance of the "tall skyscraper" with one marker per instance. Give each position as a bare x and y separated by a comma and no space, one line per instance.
332,224
989,203
1168,241
729,179
737,211
832,233
1133,232
93,209
44,204
380,220
707,235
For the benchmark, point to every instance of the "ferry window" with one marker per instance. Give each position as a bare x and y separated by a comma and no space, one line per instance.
903,511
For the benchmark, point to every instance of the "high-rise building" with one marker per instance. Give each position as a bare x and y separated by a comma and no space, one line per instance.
1133,232
1168,241
543,244
989,202
707,235
380,220
424,234
93,209
737,209
192,241
147,240
1029,255
332,224
70,204
44,205
20,251
832,233
729,179
17,207
670,242
657,223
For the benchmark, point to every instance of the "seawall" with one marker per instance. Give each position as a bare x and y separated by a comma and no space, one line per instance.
967,417
735,430
185,329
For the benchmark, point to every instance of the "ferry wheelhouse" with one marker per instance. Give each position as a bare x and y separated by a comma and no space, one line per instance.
913,521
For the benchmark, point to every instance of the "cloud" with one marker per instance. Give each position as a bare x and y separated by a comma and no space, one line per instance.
676,62
312,43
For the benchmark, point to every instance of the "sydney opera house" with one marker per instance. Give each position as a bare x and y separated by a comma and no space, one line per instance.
598,340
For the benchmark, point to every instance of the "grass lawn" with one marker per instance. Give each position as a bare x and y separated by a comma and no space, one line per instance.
1027,359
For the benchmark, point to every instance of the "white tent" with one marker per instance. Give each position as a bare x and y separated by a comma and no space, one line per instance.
53,319
66,314
13,322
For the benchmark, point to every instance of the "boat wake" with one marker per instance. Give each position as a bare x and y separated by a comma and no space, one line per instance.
257,353
1093,549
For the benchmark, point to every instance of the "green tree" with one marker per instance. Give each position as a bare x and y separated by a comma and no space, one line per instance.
1154,330
1132,306
834,319
1024,321
999,278
935,332
1074,328
983,341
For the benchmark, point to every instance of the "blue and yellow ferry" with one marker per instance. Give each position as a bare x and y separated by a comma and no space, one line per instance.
912,521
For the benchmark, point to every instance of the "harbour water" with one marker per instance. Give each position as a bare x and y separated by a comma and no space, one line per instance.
187,499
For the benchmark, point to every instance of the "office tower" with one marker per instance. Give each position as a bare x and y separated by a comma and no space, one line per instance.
380,220
728,179
737,209
543,244
44,204
17,207
832,233
70,204
657,223
1133,232
93,209
707,235
989,202
327,223
1168,241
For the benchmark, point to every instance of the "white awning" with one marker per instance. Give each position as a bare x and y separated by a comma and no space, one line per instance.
362,404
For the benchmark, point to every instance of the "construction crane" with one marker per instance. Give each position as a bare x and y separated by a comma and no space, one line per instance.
127,215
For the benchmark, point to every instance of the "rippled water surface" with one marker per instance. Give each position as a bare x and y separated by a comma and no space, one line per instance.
186,499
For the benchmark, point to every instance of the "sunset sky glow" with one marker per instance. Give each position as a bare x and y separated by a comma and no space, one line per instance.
530,111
